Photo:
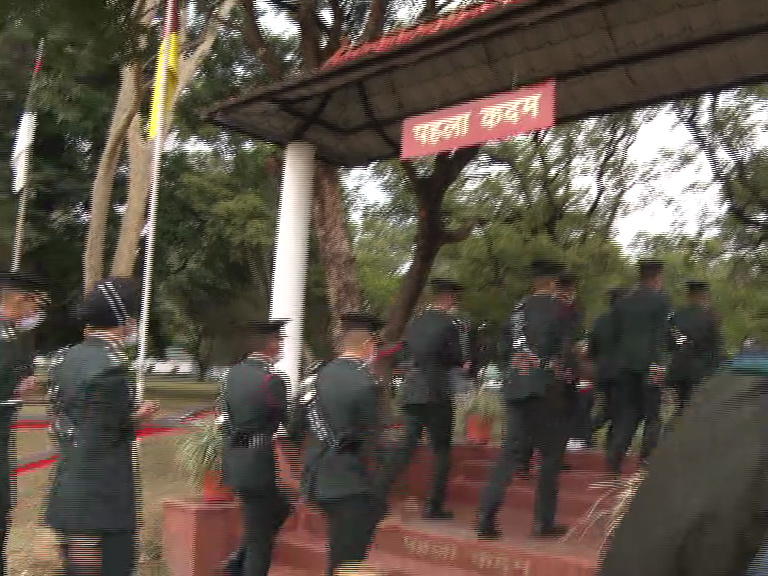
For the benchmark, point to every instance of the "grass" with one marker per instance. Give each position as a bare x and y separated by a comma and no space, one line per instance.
31,546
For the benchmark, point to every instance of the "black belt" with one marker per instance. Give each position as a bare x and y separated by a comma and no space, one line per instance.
242,440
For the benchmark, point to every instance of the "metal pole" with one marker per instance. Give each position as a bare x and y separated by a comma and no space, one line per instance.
292,253
149,249
18,236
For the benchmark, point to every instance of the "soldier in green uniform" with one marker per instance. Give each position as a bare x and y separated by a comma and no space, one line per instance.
640,330
340,411
21,300
92,500
703,507
600,350
536,402
434,345
253,404
699,356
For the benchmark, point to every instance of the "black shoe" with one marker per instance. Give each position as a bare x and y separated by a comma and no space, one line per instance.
554,531
565,467
488,531
437,514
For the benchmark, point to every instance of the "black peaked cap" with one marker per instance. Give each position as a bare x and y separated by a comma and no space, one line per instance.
696,286
445,286
110,303
650,265
265,327
22,282
546,268
361,321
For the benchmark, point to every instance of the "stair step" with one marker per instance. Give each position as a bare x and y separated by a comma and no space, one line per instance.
310,556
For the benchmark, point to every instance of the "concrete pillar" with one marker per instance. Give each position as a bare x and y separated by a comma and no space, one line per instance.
289,278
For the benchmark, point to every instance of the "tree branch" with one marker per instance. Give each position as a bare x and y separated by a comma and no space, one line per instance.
255,40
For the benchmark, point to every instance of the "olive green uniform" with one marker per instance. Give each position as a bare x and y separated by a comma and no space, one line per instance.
253,399
640,329
93,493
601,352
14,365
537,408
701,511
699,356
434,344
338,461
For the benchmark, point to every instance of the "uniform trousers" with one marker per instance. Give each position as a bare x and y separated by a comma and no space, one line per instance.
264,514
605,412
351,521
539,422
437,418
5,523
582,416
684,387
99,553
635,401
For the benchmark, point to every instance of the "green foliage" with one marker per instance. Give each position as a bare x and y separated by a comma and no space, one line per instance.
200,451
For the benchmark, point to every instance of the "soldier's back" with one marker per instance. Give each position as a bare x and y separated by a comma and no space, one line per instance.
93,487
348,398
639,325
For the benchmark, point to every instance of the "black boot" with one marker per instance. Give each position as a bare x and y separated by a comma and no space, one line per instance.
488,529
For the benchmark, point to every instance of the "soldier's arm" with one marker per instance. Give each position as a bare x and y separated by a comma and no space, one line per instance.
593,341
277,396
370,411
452,353
505,346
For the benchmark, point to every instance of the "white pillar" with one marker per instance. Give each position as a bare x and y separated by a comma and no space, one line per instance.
289,277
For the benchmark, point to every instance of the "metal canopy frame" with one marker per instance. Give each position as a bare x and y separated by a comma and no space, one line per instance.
606,55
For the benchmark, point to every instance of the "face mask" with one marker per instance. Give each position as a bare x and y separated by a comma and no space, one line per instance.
31,322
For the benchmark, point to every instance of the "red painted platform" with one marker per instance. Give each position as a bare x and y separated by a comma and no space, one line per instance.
407,545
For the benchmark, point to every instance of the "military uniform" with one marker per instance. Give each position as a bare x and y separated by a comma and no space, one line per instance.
600,350
253,404
536,404
702,509
15,364
434,344
92,500
700,354
640,329
340,411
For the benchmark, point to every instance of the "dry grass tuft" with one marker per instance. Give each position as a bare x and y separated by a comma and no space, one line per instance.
606,513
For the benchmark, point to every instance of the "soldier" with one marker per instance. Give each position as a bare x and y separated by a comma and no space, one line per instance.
640,331
536,402
253,405
341,410
699,356
92,501
600,350
434,345
21,301
701,510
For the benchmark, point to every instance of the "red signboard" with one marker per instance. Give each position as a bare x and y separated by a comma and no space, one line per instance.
493,118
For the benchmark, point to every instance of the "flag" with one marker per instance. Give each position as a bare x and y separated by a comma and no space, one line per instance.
25,133
167,67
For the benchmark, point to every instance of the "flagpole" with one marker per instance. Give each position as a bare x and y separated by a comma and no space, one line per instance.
18,235
149,247
21,215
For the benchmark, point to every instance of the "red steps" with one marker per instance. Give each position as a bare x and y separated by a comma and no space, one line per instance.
310,555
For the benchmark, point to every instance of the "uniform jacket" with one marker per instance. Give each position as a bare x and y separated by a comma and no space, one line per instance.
702,510
602,348
14,365
255,399
93,485
702,353
640,328
541,319
433,346
348,398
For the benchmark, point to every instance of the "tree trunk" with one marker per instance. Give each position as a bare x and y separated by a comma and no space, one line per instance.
335,243
140,162
126,106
